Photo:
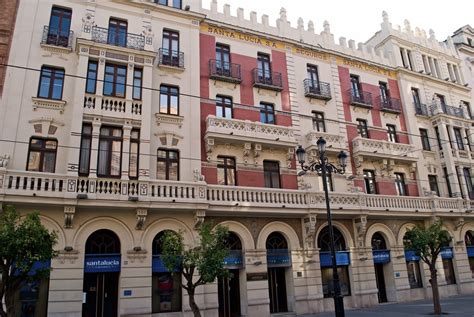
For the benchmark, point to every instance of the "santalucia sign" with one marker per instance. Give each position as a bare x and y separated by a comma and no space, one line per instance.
102,263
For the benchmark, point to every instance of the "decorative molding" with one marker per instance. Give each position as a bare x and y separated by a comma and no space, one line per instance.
48,104
141,214
199,216
4,160
309,222
361,228
69,212
56,48
169,119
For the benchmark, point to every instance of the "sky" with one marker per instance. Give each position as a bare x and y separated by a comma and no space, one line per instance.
359,20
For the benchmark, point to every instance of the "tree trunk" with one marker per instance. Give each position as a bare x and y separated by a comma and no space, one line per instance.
192,303
10,302
2,311
435,290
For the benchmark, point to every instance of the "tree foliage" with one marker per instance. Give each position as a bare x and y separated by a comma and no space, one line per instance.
23,241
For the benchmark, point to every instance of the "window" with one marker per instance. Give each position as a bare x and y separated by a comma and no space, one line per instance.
223,59
170,48
410,59
117,32
404,61
109,163
467,107
134,153
51,83
384,93
392,133
400,184
59,27
362,128
449,136
446,180
355,86
267,113
442,102
438,138
313,75
416,96
264,67
115,80
459,175
318,121
226,171
177,4
469,42
329,182
91,81
426,64
458,137
137,83
468,140
162,2
169,100
433,181
369,180
425,140
449,271
414,274
167,167
85,154
271,172
224,107
468,180
42,155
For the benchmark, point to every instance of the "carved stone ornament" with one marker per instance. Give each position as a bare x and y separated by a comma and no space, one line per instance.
199,216
246,152
361,229
310,229
198,177
69,212
4,160
209,148
87,22
141,218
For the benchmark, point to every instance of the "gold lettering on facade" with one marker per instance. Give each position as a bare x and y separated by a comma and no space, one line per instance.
367,67
312,54
242,37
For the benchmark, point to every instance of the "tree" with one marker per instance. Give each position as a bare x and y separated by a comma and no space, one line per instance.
23,241
427,242
206,258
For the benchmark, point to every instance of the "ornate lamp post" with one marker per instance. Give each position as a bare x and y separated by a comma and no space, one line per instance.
324,168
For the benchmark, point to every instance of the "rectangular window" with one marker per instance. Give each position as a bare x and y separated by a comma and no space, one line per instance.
446,180
416,96
433,181
109,163
400,184
115,80
467,107
51,83
442,102
162,2
169,100
170,48
369,180
167,167
468,140
267,113
177,4
328,285
318,122
458,137
392,133
384,92
59,27
468,180
402,54
449,271
271,172
42,155
264,67
410,59
426,64
117,32
137,84
448,132
425,140
91,81
226,171
438,138
414,274
313,75
134,154
166,296
224,107
223,59
362,128
355,86
85,153
459,175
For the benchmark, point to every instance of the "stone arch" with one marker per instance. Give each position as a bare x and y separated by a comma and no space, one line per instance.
403,230
242,232
342,229
286,230
112,224
52,225
465,228
146,239
384,230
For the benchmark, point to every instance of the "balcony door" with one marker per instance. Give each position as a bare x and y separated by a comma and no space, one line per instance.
170,48
223,59
264,68
442,102
384,93
117,32
59,27
355,86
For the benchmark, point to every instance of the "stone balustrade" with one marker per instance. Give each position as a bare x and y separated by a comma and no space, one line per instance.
112,106
381,148
335,142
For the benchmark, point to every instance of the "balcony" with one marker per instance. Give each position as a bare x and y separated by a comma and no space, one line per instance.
360,98
390,105
224,71
422,109
335,142
317,89
55,37
439,108
130,40
384,149
238,131
173,59
267,80
112,106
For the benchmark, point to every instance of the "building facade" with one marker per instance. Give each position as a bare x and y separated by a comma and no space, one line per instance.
120,120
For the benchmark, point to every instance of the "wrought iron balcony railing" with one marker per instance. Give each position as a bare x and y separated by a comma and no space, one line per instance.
224,71
128,40
56,37
360,98
317,89
267,80
422,109
436,108
452,111
390,105
170,58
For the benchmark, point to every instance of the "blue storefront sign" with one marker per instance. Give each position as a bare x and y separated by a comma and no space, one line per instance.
446,253
381,256
278,258
470,251
37,266
234,259
158,266
102,263
410,255
342,258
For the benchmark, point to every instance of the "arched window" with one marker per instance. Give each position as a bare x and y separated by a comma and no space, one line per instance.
469,239
276,241
378,242
102,241
324,241
233,242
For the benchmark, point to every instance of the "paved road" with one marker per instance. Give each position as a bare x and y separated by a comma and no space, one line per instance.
457,306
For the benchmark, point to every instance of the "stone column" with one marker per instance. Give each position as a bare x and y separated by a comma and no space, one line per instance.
363,284
257,283
127,128
147,155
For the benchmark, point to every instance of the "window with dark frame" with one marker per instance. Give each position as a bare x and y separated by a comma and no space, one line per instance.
42,155
384,92
400,184
91,81
468,181
425,140
223,107
109,162
59,27
466,106
167,167
448,132
134,154
51,83
223,59
459,175
85,153
170,48
137,84
177,4
313,75
370,183
433,181
438,138
271,172
355,86
468,140
449,274
318,121
264,67
115,80
329,182
162,2
416,96
362,129
459,140
267,113
446,180
169,100
226,171
392,133
117,32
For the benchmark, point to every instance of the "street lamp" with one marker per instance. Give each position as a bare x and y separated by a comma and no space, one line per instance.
324,168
